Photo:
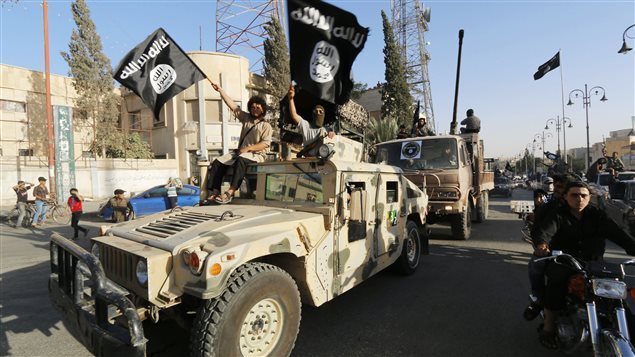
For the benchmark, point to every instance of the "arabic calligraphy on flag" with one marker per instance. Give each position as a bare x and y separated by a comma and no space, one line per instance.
324,41
156,70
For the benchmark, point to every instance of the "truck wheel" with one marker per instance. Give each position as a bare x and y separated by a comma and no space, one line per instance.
482,203
258,314
462,224
411,251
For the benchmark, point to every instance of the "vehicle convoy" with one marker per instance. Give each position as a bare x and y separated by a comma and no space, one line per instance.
594,317
451,168
302,231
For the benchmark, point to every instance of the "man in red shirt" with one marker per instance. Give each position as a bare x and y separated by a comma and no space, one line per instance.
75,203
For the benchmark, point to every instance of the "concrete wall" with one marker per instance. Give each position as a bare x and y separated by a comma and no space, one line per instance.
93,178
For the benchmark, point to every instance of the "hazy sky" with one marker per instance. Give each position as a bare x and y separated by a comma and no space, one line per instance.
505,42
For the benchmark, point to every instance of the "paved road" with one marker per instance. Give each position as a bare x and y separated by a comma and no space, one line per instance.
466,299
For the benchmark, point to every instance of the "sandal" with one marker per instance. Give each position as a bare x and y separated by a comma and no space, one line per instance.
532,311
224,198
548,339
213,198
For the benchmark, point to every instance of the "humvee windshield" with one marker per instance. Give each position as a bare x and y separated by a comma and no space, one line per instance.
420,154
304,187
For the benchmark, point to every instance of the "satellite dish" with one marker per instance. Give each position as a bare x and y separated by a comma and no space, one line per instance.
426,14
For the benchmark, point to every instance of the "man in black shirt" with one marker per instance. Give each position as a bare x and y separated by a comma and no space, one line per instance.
22,191
577,229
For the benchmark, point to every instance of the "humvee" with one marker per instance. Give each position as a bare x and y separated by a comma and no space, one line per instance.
302,231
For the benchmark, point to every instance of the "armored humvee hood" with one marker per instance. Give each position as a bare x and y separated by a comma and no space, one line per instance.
222,226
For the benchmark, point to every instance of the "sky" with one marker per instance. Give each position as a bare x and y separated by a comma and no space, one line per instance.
504,43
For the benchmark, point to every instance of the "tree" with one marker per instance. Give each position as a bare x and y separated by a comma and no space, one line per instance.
380,130
276,62
96,104
358,89
395,94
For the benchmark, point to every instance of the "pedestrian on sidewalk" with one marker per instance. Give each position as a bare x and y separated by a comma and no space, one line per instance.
22,191
41,194
75,203
172,186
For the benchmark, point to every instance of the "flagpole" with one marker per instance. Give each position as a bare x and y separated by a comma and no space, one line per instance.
564,140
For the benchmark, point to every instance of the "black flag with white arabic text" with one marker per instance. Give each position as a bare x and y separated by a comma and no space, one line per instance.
546,67
156,70
324,42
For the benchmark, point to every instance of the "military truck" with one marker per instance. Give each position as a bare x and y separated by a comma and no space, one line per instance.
451,169
302,231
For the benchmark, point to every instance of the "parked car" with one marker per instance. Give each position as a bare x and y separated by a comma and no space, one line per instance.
502,186
156,200
619,206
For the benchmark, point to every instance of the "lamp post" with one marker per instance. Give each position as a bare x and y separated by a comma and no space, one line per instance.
625,47
560,124
586,102
533,156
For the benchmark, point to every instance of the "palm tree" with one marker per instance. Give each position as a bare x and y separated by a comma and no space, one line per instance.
380,130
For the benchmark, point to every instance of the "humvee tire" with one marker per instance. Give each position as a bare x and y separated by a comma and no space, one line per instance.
462,224
411,251
258,313
482,207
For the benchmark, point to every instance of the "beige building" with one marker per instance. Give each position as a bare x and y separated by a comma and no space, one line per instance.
174,137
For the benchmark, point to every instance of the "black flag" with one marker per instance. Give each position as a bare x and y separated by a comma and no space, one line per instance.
157,69
553,63
324,41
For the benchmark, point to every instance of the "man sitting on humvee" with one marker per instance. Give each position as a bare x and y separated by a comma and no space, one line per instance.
309,133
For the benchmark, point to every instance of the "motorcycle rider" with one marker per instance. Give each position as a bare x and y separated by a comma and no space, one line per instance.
577,229
537,268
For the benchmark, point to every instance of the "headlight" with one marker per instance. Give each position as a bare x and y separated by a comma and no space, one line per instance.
94,250
142,272
611,289
445,194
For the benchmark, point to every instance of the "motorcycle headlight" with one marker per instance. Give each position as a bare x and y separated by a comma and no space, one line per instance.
94,250
610,289
142,272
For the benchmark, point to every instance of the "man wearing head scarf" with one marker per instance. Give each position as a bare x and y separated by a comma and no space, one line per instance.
421,129
309,133
22,191
254,143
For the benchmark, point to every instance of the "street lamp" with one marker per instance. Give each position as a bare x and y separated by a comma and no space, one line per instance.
533,156
625,47
586,102
543,137
560,124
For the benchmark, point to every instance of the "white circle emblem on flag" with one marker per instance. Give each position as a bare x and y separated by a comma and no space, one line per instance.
162,77
325,61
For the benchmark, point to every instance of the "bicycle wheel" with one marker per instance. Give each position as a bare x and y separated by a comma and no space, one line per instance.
61,214
12,217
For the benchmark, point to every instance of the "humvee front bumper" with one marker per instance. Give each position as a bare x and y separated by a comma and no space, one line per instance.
91,303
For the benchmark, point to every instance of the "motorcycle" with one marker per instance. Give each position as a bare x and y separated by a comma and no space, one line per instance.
595,311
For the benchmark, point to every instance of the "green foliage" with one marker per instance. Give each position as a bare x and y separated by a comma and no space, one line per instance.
395,94
358,89
276,65
131,147
97,104
380,130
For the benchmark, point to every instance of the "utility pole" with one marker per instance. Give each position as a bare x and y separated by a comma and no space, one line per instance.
49,113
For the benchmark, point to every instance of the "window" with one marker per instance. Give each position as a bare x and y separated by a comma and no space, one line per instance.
25,152
212,111
305,187
158,192
12,106
186,191
87,154
392,193
134,120
429,154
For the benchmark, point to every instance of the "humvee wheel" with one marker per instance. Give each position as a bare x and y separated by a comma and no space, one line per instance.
411,251
462,224
482,203
258,314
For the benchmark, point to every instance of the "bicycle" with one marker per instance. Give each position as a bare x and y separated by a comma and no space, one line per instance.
59,213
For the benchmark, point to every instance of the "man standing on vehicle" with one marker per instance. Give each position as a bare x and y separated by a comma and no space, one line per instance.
580,230
472,123
120,206
254,143
41,193
421,129
22,191
309,134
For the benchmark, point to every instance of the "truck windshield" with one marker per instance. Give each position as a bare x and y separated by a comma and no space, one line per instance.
305,187
416,154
